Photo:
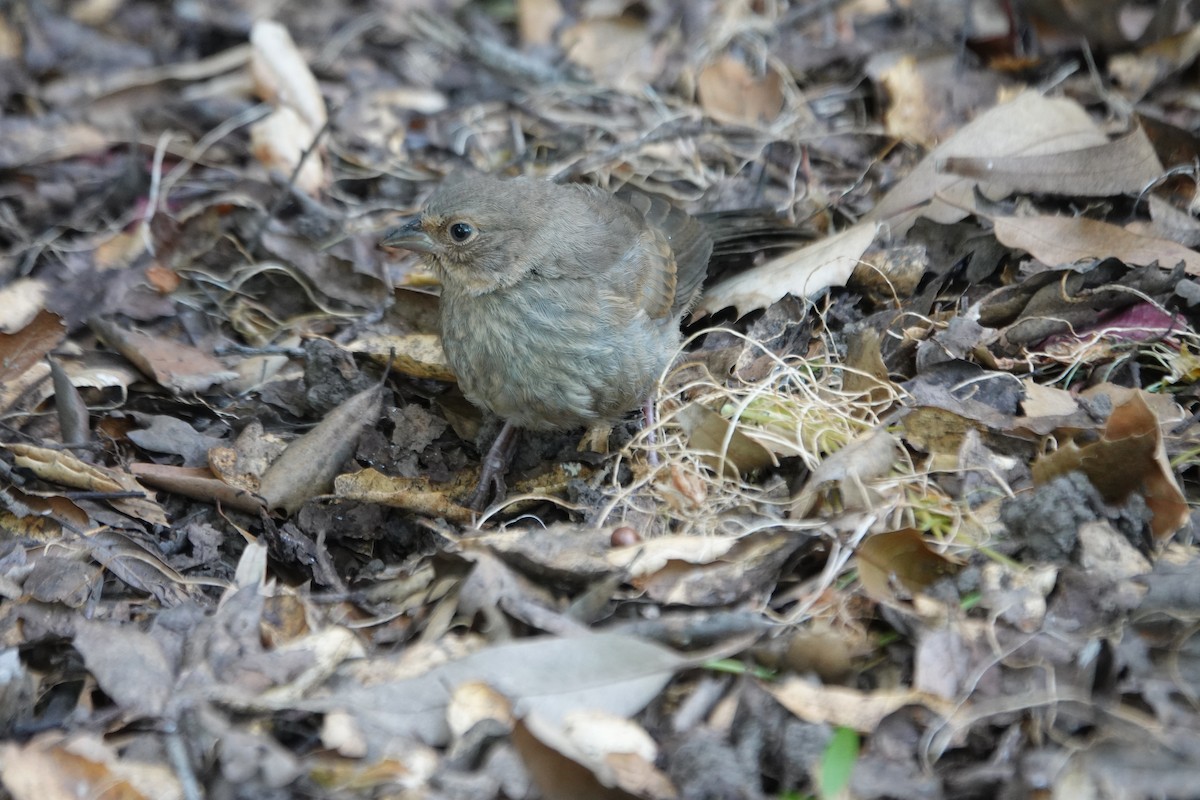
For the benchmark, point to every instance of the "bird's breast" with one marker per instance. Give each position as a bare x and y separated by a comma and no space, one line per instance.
554,354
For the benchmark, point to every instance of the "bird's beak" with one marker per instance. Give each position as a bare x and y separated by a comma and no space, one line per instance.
409,236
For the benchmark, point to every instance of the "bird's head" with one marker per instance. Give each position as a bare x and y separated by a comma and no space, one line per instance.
477,232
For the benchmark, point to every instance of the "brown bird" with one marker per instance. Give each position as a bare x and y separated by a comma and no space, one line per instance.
561,303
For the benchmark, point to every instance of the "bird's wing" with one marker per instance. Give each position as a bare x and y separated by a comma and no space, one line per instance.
684,237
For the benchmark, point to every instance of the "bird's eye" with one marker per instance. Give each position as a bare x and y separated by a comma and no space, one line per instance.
461,232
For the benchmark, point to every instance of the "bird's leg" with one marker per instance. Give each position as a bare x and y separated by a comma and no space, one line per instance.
651,432
495,464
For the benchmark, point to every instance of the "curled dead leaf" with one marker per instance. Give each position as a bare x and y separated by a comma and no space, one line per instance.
309,464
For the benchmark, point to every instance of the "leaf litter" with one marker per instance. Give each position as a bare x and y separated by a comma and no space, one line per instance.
914,520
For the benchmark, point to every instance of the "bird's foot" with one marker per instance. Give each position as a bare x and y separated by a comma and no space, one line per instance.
491,475
651,431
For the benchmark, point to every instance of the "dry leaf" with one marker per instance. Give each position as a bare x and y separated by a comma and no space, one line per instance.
280,140
176,366
130,666
617,754
1130,456
617,51
1123,166
29,344
418,495
902,556
724,448
1030,125
60,466
1061,241
197,483
728,91
54,766
647,557
550,677
309,464
850,470
840,705
537,19
929,95
281,74
803,273
419,355
20,303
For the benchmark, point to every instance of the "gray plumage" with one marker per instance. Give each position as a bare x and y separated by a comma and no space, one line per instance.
562,307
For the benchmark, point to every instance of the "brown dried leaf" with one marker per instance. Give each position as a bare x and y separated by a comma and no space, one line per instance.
309,464
1129,457
40,518
29,344
1123,166
728,91
173,365
197,483
724,448
840,705
902,556
1060,241
61,467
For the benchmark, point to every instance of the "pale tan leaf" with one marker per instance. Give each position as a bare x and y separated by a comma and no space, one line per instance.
841,705
644,558
617,752
280,140
61,467
281,74
1062,241
730,92
1030,125
929,95
618,51
803,273
537,19
1123,166
417,354
54,766
20,302
551,677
